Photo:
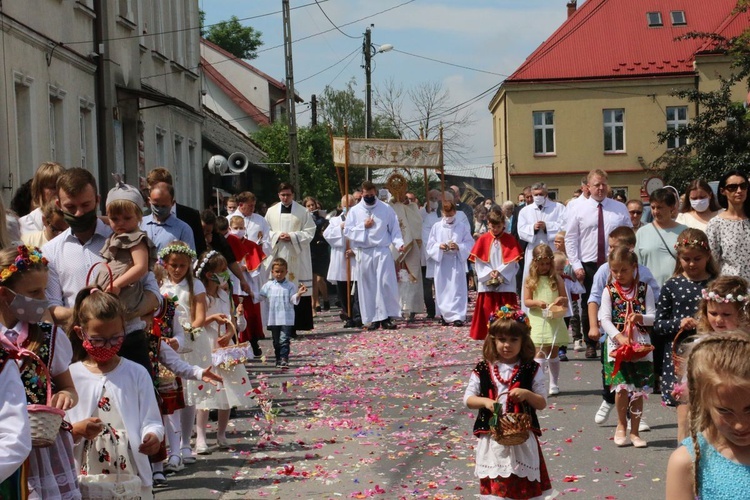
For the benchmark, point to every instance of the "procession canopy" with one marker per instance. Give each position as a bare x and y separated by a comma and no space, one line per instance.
387,153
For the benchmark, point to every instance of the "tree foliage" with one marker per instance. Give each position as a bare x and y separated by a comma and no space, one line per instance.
240,41
342,109
718,138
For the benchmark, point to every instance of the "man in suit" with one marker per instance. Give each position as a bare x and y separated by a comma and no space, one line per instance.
528,200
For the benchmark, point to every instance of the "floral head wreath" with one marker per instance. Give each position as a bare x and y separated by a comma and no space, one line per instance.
26,258
199,265
509,312
173,248
723,299
686,243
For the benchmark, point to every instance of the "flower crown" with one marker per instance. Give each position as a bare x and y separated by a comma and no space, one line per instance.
543,257
26,258
174,248
691,243
199,265
724,299
509,312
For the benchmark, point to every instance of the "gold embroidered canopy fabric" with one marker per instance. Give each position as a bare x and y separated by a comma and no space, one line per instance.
387,153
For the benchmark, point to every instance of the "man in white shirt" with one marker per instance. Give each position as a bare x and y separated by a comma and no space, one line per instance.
538,223
589,222
257,229
372,226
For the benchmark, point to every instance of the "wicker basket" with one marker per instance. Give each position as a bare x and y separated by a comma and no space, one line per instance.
44,420
678,360
509,429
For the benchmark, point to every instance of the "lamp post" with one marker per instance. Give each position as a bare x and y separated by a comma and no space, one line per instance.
369,50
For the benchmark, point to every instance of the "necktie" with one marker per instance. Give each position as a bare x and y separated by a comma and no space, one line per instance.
601,254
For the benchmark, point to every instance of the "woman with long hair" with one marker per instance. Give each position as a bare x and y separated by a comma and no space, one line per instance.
729,232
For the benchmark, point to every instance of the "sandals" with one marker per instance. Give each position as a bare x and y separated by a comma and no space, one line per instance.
187,455
174,464
159,479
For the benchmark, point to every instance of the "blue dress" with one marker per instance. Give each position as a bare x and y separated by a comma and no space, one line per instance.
718,477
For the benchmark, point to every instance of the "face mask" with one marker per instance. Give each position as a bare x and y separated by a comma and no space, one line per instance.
344,210
539,200
450,219
220,278
369,199
102,354
700,205
433,205
80,223
28,309
240,233
161,213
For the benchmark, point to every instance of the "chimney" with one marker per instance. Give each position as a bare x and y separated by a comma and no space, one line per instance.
572,5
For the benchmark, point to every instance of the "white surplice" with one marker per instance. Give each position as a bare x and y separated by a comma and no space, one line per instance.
334,235
410,291
300,226
451,294
376,270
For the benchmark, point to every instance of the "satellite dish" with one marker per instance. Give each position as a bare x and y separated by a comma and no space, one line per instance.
238,163
218,165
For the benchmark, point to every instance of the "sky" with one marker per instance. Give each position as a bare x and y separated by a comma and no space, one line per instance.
494,36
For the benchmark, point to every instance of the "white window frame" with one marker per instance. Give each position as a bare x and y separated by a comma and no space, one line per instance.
610,122
678,22
56,124
161,150
654,19
674,122
86,126
544,127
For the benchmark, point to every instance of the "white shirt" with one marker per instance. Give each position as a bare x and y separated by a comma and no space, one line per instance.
553,216
69,263
31,222
15,434
581,237
257,229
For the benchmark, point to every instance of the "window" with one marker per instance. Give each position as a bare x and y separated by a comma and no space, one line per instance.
23,119
676,119
56,124
86,127
654,19
544,132
678,18
614,130
161,152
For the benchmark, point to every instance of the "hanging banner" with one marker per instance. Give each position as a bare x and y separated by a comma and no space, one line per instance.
387,153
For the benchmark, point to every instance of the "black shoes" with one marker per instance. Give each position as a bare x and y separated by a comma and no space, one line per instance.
352,324
257,351
373,326
458,323
388,325
326,305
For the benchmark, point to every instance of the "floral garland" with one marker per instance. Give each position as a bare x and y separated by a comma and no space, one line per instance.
27,257
509,312
725,299
175,248
198,267
685,243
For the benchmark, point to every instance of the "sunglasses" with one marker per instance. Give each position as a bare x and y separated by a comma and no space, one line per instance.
635,212
734,187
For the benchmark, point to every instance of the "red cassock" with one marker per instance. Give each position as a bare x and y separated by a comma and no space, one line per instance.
251,254
488,302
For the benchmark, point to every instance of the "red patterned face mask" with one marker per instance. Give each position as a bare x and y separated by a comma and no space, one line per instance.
102,354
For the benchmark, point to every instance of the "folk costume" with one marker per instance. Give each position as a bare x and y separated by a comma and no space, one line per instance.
450,268
15,434
250,255
491,253
513,472
298,223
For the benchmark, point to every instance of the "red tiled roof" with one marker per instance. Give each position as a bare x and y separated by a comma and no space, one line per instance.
612,39
233,93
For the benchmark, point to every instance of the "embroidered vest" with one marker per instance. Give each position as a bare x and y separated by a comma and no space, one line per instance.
620,304
523,378
32,372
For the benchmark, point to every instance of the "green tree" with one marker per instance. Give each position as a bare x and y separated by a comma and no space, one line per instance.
240,41
342,108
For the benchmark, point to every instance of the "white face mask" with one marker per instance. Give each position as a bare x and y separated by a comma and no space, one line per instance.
240,233
700,205
433,205
450,219
539,200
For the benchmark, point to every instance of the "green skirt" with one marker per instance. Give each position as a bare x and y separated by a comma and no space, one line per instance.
633,375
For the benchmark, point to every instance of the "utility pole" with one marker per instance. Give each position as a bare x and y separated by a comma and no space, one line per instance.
314,110
291,114
367,52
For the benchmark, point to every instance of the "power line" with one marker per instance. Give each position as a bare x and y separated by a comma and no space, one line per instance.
332,23
342,69
448,63
329,67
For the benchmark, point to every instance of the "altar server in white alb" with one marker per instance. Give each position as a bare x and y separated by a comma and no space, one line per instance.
292,230
372,227
343,266
538,223
449,246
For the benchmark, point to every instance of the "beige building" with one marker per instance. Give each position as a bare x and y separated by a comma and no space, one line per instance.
597,91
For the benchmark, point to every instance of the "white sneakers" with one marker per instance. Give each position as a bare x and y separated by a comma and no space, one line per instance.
602,414
579,346
553,390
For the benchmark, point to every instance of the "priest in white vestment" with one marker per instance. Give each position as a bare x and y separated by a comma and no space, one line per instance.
448,247
372,227
343,266
409,265
292,229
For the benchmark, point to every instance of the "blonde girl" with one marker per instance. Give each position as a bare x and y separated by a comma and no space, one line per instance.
177,260
627,300
508,375
43,190
677,307
211,270
117,424
545,297
23,281
724,305
714,461
129,252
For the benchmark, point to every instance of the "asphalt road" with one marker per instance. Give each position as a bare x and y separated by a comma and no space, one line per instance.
380,415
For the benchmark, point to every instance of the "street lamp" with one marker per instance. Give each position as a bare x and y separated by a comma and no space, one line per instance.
370,50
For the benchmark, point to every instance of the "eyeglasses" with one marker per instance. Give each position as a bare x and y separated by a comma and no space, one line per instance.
734,187
110,342
635,212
